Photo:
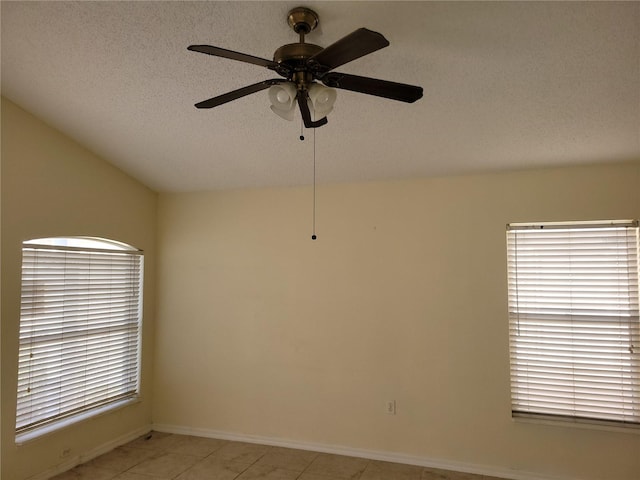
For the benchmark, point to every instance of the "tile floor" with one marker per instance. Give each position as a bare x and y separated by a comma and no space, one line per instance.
182,457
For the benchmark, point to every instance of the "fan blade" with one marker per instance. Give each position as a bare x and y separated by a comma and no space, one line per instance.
241,57
372,86
306,113
355,45
241,92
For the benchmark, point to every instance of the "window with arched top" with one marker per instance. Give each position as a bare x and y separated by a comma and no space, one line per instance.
80,330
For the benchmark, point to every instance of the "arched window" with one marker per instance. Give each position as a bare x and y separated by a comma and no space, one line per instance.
80,327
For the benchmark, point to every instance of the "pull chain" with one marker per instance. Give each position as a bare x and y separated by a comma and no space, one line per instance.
313,230
313,236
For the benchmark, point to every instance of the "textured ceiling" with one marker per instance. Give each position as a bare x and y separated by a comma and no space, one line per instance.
507,85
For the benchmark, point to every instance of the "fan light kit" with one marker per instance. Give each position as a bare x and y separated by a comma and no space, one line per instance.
302,65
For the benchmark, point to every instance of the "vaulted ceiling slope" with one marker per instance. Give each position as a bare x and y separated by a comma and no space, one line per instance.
507,85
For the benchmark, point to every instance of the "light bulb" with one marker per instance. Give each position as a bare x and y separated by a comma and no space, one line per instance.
282,97
323,97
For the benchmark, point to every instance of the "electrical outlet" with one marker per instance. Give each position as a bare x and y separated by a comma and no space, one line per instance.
390,407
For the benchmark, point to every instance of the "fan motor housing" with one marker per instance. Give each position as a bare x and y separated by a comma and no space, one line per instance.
295,54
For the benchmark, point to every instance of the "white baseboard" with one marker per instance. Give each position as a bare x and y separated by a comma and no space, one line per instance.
357,452
84,457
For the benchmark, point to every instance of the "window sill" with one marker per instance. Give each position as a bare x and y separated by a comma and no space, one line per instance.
25,437
629,428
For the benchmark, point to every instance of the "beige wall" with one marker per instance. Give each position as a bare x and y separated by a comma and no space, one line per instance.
51,186
262,331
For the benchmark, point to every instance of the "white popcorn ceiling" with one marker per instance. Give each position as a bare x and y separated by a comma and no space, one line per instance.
507,85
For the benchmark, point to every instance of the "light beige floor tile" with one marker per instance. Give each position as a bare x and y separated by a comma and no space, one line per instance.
151,441
386,470
121,458
288,458
437,474
213,468
338,466
85,472
190,445
165,465
315,476
133,476
268,472
241,452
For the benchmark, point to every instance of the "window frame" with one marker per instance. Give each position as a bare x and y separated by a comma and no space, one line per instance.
527,396
81,315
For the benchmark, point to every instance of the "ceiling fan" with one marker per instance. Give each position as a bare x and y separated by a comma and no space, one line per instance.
302,65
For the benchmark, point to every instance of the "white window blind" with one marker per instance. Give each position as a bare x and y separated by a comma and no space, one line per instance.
80,323
573,321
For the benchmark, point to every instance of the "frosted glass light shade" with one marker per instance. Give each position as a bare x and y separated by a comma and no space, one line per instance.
322,99
282,98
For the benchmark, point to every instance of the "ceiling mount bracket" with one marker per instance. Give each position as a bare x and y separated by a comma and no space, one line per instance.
303,20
